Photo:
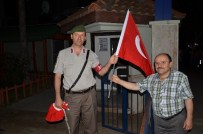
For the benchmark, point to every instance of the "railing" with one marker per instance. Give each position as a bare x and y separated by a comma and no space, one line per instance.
123,111
37,83
127,112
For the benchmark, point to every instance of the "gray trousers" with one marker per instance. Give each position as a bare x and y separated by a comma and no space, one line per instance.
172,125
82,107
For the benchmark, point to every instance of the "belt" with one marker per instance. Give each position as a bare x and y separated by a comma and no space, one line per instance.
81,91
168,118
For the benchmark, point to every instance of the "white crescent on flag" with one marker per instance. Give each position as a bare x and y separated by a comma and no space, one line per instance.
137,45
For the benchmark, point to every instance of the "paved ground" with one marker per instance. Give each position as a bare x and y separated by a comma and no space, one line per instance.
28,116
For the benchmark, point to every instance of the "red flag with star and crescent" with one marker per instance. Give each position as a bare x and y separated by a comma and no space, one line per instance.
131,47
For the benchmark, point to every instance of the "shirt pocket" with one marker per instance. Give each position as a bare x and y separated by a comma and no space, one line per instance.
174,91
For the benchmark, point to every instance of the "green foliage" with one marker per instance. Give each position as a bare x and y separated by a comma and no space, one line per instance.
14,69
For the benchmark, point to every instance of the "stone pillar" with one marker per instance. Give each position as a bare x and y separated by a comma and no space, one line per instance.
165,38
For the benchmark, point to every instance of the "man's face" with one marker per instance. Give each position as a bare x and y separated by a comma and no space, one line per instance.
78,38
162,64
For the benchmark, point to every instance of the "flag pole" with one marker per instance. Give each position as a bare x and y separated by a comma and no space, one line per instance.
109,93
118,48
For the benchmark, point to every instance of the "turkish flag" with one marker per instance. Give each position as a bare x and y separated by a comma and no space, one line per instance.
131,47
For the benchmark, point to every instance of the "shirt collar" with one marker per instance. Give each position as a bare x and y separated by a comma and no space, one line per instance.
83,50
170,75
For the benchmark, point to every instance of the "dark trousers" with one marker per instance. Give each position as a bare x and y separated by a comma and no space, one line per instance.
82,106
172,125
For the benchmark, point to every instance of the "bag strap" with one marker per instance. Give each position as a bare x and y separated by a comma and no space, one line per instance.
80,72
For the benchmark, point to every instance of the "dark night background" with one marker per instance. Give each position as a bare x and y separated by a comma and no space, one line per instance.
58,10
190,34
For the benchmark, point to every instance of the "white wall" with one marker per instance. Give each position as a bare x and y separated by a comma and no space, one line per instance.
103,51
